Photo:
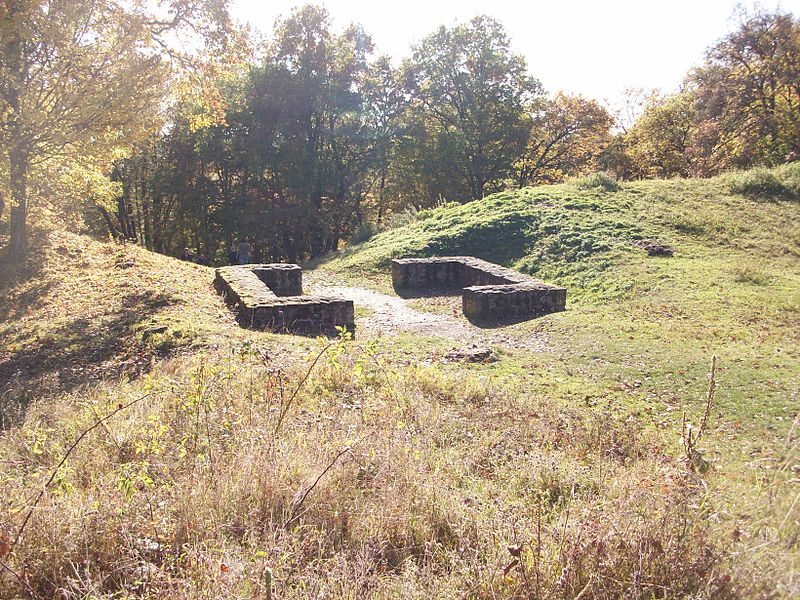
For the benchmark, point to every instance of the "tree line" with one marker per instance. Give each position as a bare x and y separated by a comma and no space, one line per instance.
322,140
310,139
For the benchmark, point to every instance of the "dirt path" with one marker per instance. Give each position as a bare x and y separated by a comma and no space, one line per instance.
391,315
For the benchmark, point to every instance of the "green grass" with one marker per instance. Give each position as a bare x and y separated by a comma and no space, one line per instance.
582,238
226,475
732,288
641,331
766,184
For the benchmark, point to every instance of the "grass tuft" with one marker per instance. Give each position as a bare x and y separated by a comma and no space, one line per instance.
602,181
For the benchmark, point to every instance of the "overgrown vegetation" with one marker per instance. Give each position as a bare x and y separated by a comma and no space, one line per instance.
596,180
643,444
248,461
370,480
758,183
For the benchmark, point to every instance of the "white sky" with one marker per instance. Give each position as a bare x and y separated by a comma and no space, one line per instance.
595,48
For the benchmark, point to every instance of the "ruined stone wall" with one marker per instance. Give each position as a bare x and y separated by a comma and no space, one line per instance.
241,286
427,273
281,278
490,292
512,302
300,314
450,272
281,308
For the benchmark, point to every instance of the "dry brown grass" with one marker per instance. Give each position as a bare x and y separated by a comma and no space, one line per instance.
83,311
191,493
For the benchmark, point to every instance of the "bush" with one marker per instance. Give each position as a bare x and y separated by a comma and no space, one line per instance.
364,232
789,176
597,180
402,218
758,183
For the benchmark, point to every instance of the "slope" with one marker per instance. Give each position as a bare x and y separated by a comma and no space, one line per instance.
732,287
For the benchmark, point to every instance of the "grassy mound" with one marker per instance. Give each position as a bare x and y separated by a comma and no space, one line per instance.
587,235
83,310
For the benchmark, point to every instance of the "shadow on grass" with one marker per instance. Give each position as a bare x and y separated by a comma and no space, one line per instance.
15,271
86,350
501,322
34,296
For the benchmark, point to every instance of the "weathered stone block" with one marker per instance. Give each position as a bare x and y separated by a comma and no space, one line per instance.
282,278
240,285
282,308
512,302
490,292
426,273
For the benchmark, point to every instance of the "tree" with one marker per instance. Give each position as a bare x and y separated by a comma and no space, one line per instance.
739,109
81,78
568,134
660,142
748,96
311,90
470,83
386,103
288,165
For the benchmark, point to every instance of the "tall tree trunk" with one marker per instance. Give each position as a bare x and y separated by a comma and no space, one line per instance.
382,193
18,154
112,229
18,245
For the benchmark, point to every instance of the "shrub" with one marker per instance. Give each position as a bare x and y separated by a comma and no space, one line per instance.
757,183
402,218
597,180
364,232
789,176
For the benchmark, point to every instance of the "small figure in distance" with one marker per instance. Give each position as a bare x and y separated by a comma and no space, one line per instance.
244,251
233,255
186,255
202,259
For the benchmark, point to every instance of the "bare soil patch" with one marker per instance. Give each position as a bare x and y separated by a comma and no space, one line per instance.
392,315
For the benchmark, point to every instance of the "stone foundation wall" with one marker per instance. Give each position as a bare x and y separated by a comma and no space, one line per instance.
450,272
281,278
427,273
241,286
281,308
490,292
512,302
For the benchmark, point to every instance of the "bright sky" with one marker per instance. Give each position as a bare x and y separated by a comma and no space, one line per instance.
593,47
